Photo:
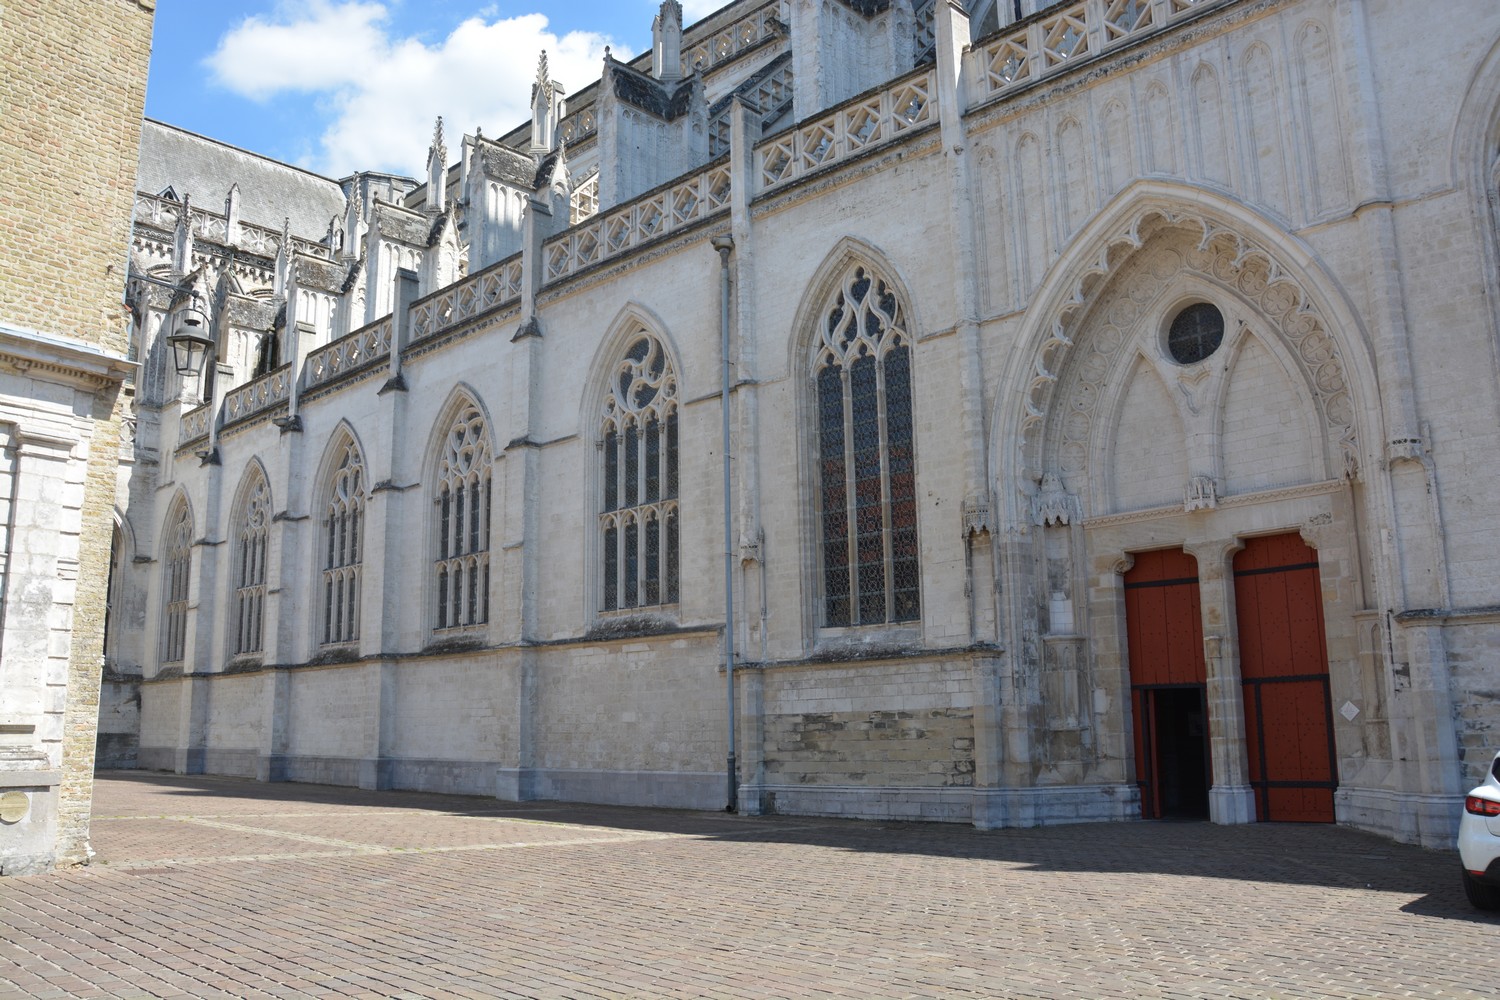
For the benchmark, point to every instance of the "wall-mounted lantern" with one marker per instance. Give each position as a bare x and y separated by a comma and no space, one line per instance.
189,340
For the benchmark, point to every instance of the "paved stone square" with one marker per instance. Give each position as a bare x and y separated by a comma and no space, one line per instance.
212,887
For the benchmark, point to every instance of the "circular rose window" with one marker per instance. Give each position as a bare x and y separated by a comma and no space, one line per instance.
1195,334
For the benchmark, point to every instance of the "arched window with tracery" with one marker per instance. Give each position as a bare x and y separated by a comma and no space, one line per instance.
867,475
177,568
343,548
464,494
252,532
639,525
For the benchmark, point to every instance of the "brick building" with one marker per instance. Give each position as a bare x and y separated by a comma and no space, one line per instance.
1113,390
73,90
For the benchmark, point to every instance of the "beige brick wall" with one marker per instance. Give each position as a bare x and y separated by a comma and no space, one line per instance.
73,92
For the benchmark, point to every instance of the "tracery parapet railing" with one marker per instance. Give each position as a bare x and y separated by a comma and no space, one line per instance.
261,394
495,286
1058,40
194,425
859,125
729,42
369,343
165,213
610,234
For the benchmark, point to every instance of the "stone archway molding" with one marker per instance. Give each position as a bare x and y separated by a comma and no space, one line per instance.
1294,290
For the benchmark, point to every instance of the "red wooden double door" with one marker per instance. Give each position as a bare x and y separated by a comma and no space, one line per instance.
1283,667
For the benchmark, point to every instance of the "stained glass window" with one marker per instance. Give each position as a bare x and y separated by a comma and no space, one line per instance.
343,547
250,568
638,525
178,565
464,498
867,482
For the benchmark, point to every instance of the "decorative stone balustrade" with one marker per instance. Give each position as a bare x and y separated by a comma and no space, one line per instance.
164,213
253,397
872,121
368,344
1052,43
491,288
194,425
578,126
154,210
724,45
643,220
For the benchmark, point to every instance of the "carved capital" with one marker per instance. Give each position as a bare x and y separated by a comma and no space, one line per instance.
1405,449
977,518
1202,493
1314,530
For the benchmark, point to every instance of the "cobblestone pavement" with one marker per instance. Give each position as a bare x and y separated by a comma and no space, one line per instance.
211,887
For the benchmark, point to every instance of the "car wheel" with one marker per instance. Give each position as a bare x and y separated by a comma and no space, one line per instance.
1482,895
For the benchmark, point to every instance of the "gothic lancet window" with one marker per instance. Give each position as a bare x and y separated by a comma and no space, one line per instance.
867,484
464,493
177,567
639,526
251,535
343,547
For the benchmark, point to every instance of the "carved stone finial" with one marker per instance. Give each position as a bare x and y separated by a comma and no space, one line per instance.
666,39
437,133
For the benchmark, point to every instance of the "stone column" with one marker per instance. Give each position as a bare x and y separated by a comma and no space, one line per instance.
1230,799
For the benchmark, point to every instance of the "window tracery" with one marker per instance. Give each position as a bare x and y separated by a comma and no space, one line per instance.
343,547
639,525
867,475
178,567
465,493
250,569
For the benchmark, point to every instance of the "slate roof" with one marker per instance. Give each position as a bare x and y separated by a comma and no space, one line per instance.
203,169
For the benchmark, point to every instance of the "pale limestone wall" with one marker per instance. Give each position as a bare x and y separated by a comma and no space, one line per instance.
119,724
462,709
161,723
871,725
644,705
332,712
237,713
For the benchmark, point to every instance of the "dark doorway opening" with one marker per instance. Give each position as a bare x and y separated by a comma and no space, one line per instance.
1179,752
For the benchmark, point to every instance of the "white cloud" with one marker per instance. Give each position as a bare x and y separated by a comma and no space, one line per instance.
380,92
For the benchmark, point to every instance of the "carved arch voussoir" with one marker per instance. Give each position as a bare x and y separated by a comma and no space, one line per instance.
1221,255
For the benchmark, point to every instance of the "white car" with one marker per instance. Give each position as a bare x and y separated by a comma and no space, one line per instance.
1479,842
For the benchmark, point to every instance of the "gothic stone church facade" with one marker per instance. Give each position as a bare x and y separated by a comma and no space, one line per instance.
1112,421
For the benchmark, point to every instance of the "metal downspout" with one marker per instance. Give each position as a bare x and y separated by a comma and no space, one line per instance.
724,244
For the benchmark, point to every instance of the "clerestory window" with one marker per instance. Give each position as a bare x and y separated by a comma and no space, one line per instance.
639,524
343,547
250,568
867,484
464,496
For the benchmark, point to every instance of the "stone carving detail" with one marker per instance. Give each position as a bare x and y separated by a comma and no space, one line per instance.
1201,494
1053,504
977,519
1138,275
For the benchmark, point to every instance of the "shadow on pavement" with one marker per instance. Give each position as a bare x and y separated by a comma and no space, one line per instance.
1293,854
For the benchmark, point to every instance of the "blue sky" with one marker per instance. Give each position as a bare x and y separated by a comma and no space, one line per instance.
341,85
